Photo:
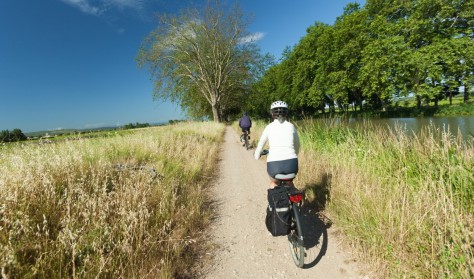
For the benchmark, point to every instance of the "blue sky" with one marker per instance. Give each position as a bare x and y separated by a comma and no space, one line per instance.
71,63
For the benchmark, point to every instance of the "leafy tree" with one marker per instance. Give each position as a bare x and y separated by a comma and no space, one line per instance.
257,99
14,135
441,40
5,136
136,125
261,94
457,19
17,135
307,60
200,56
349,39
196,105
320,92
382,75
387,49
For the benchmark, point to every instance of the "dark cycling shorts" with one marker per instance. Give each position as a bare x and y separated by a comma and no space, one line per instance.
246,129
282,167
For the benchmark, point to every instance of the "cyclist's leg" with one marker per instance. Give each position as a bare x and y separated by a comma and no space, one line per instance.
242,135
273,182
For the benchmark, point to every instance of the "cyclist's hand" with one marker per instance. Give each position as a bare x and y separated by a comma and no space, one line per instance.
257,154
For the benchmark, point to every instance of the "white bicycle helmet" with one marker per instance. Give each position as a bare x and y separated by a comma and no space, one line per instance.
279,109
279,104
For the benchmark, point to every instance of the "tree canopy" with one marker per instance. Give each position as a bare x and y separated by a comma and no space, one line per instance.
205,60
12,136
386,49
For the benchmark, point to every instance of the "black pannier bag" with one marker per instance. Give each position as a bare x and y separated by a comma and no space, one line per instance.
278,218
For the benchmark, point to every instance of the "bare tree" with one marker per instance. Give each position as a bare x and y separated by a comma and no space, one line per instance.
206,52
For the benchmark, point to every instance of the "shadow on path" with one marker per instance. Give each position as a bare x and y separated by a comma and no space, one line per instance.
315,223
315,235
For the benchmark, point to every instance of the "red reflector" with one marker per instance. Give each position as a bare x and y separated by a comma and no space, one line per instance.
296,198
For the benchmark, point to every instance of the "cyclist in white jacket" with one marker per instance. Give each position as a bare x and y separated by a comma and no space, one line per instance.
283,141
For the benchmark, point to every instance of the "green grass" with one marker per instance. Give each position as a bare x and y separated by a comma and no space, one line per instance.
462,109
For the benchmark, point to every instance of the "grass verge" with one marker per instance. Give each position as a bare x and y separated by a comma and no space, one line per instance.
127,206
403,201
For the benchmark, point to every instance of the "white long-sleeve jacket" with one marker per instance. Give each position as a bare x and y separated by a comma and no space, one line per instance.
284,142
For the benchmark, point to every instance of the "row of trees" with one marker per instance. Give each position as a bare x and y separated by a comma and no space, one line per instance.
12,136
388,48
206,61
136,125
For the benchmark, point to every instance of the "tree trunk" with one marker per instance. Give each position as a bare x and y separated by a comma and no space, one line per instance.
215,113
466,93
418,102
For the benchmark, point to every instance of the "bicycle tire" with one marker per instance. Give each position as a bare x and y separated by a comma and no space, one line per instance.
295,238
246,142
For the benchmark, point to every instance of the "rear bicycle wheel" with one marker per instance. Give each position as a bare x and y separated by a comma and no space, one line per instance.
246,138
295,238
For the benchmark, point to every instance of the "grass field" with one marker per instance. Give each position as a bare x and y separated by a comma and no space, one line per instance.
131,205
134,205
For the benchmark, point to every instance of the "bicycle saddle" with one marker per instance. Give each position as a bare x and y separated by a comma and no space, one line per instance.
285,176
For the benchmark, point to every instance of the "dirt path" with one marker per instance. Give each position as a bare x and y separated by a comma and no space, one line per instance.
246,249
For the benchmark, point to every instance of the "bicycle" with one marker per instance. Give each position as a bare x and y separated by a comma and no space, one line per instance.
245,138
295,196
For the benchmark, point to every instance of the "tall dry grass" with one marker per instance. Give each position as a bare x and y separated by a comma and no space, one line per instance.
404,201
129,206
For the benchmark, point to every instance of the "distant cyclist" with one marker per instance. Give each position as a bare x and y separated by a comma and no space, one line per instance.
284,143
245,123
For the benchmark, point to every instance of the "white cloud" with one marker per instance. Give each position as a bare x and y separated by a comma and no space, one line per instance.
252,38
133,4
84,6
97,7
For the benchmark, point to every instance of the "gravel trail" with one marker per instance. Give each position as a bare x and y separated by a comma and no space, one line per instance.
245,248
